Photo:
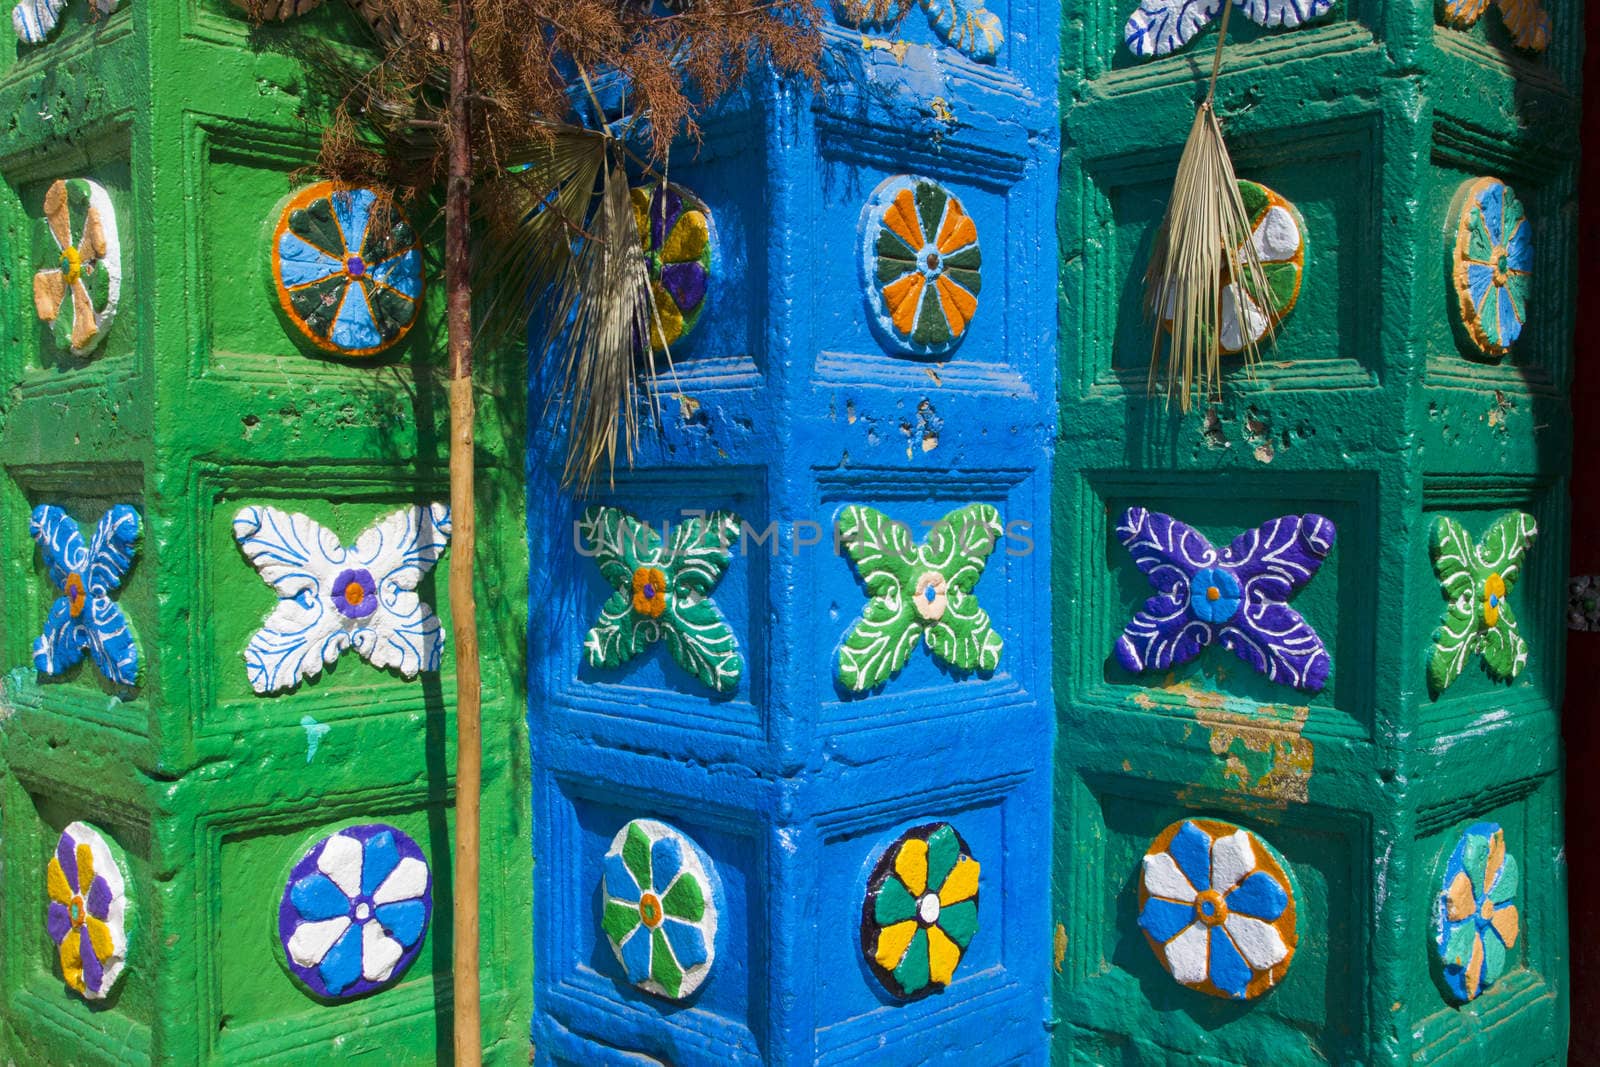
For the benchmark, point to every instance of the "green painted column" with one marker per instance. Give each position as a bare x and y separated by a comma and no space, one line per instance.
1397,842
201,799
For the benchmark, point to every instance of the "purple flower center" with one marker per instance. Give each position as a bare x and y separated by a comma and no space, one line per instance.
354,593
355,266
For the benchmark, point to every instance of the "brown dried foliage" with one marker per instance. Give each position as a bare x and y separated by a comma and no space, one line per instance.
524,52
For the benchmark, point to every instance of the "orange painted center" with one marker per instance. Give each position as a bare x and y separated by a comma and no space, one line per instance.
1210,908
354,594
650,910
1213,593
76,597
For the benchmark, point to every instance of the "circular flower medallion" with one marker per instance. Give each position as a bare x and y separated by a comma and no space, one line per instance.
675,232
354,911
1478,918
1279,236
347,268
660,913
1491,264
1217,909
88,914
76,294
921,265
921,910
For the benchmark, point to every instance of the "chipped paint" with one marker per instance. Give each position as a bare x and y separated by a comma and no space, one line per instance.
941,110
1061,946
1264,751
898,49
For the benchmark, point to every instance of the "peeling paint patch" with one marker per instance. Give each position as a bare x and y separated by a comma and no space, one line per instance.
898,49
1501,409
1061,946
941,110
1264,755
1262,747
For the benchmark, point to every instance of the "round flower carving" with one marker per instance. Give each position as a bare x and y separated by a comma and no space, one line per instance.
1478,917
660,910
88,913
1217,909
347,268
1492,264
675,232
921,910
76,295
921,265
1279,237
354,911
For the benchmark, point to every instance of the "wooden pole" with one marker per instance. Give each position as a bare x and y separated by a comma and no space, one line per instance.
463,607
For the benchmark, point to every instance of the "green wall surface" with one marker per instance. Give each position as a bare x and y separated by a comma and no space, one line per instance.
1368,410
199,402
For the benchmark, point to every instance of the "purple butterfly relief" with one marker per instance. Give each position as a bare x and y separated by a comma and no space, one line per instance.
1240,594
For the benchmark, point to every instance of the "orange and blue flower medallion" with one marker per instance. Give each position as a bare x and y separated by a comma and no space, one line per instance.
348,269
1217,909
1478,921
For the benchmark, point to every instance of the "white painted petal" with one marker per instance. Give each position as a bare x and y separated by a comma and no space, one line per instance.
1258,941
408,881
1277,238
408,644
295,641
1254,325
311,941
341,861
1188,954
1232,858
379,953
1163,879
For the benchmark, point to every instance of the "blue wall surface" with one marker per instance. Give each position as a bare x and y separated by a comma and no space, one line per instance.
786,405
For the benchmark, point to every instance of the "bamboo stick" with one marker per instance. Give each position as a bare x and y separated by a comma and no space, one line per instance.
463,606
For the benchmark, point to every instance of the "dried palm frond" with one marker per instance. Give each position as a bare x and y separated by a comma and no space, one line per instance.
603,301
1202,251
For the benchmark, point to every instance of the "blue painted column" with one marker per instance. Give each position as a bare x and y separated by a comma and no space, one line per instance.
814,852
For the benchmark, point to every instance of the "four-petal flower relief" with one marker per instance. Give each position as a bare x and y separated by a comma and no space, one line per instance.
660,914
84,617
354,910
1240,594
1478,918
1476,580
331,598
1216,908
1157,27
918,592
663,593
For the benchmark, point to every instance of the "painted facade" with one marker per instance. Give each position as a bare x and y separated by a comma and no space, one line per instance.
1198,760
203,500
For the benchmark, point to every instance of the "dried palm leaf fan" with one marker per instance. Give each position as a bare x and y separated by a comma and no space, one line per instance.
1202,251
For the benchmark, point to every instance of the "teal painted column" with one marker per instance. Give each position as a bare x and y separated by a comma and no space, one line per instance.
1308,783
